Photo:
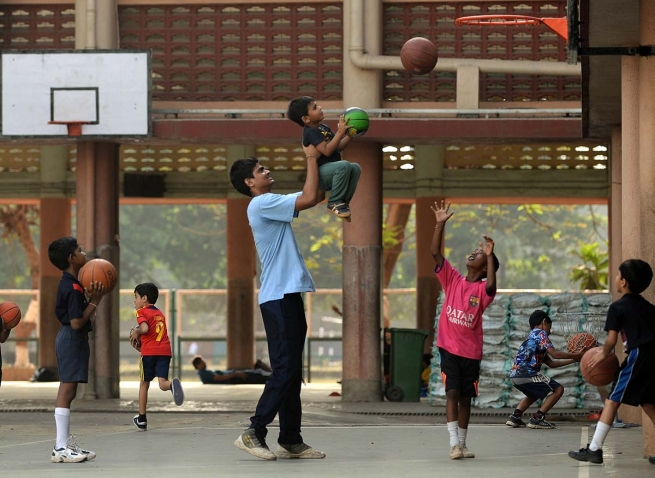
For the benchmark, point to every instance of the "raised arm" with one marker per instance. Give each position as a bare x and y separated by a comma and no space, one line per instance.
488,249
4,332
325,148
441,215
310,193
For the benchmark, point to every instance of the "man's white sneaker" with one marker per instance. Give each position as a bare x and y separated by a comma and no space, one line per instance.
72,444
302,450
67,455
249,443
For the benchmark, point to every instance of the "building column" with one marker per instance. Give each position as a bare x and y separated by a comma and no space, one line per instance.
97,233
362,261
362,239
55,216
630,197
615,208
428,169
647,167
241,272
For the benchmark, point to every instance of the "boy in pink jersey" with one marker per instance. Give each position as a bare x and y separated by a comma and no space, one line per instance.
459,335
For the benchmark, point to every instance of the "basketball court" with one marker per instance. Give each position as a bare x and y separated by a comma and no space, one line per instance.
373,439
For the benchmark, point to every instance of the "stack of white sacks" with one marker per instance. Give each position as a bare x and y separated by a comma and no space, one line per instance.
506,326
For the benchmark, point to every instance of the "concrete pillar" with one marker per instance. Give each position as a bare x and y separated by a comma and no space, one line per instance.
362,260
468,87
97,233
630,196
362,239
647,166
96,24
241,271
615,209
55,214
428,169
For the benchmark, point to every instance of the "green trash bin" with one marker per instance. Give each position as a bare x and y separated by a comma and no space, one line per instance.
406,365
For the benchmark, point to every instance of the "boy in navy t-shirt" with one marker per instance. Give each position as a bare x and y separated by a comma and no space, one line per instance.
335,175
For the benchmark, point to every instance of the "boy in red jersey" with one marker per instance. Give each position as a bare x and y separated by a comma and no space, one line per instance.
459,336
155,348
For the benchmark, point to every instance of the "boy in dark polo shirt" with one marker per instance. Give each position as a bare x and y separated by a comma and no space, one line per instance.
76,315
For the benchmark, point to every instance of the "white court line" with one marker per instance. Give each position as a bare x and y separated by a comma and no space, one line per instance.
583,470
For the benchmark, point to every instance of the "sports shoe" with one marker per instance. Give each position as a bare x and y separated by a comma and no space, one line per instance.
72,444
249,443
142,426
651,460
456,452
466,453
515,422
66,455
178,393
302,450
585,454
540,423
341,210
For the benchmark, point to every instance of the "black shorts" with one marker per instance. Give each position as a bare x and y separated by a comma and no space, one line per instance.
154,366
460,373
635,384
537,387
72,349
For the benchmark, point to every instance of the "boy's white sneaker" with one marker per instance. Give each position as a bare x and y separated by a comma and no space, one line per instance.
72,444
67,455
456,452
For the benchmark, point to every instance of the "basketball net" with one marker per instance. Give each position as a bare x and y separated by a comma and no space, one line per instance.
571,323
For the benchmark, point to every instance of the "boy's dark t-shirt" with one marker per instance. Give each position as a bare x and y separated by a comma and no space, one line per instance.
634,317
315,136
71,301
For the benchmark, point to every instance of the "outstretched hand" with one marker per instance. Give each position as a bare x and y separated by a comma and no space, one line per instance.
596,359
488,246
342,127
441,211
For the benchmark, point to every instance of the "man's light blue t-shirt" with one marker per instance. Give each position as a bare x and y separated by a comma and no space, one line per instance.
283,268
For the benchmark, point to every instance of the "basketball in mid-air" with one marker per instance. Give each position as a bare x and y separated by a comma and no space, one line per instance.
604,372
98,270
10,314
419,55
581,342
357,121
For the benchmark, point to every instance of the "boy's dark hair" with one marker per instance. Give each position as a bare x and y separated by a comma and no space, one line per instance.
196,361
537,317
299,108
637,273
240,171
148,289
60,250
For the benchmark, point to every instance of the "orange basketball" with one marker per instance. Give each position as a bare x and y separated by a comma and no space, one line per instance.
581,342
98,270
604,372
10,314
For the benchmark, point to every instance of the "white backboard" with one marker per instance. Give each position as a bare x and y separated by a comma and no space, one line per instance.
110,91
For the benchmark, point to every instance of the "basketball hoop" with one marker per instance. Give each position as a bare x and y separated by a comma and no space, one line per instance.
558,25
74,127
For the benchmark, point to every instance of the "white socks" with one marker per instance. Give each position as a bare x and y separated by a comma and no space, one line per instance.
452,431
602,429
63,422
461,434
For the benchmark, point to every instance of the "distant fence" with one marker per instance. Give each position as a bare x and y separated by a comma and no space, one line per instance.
197,323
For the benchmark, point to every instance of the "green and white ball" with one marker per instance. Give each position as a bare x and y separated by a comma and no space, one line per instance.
357,121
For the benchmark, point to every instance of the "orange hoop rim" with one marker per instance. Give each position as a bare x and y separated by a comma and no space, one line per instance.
498,20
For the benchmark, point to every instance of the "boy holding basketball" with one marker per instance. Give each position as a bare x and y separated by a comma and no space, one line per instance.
150,337
633,317
526,375
76,315
459,334
335,175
